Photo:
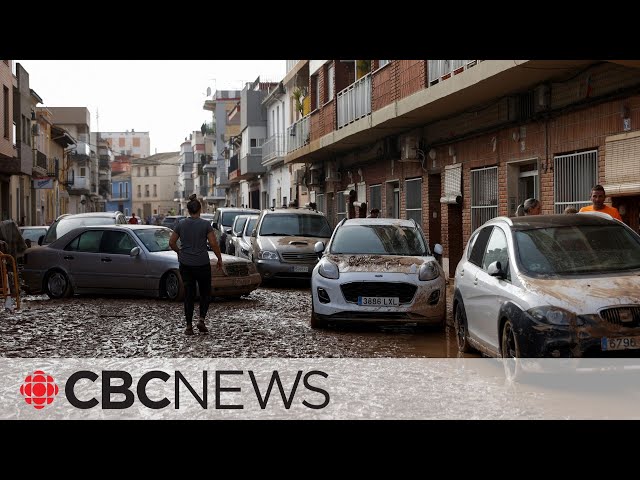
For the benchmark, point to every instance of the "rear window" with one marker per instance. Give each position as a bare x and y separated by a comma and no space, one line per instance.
66,224
379,240
295,225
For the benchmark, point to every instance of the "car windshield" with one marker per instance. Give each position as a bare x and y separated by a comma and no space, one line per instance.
33,234
66,224
379,240
154,239
577,250
295,225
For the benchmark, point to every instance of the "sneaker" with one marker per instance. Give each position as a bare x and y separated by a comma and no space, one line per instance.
201,326
188,330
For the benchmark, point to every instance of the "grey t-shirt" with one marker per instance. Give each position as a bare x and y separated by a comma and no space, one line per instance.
193,241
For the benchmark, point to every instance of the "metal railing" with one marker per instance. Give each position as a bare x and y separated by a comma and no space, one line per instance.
298,134
41,160
354,102
441,69
273,147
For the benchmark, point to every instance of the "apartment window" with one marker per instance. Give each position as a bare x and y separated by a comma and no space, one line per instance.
83,171
484,195
138,172
375,197
121,191
155,171
146,171
341,205
330,82
155,190
573,177
121,142
126,190
321,202
315,98
413,191
136,142
139,191
146,191
5,112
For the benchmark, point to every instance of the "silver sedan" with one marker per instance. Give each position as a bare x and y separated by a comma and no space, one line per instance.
124,259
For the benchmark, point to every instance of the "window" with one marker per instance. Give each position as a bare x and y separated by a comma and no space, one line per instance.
146,190
136,141
121,189
139,191
155,171
573,177
83,172
330,82
484,195
146,171
88,242
121,144
126,190
138,172
320,202
118,243
413,191
5,112
155,190
497,251
316,92
478,244
341,205
375,197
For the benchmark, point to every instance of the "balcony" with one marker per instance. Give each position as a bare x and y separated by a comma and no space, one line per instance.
82,148
40,165
440,70
222,178
218,194
210,167
251,165
298,134
354,102
273,150
104,162
81,186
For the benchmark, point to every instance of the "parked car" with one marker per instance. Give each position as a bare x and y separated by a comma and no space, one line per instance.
124,259
284,239
549,286
223,220
242,242
378,270
236,230
67,222
31,235
170,221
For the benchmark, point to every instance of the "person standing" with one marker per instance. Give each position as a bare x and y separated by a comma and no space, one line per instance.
133,220
193,256
375,213
531,206
597,199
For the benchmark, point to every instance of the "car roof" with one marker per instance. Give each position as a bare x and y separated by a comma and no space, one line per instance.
401,222
530,222
237,209
91,214
292,210
33,226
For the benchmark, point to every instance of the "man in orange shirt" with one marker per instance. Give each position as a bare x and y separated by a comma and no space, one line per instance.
597,198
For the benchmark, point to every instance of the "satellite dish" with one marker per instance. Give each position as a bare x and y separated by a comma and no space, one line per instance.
208,91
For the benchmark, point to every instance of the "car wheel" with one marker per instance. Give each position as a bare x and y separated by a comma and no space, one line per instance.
58,285
511,356
315,321
460,326
173,286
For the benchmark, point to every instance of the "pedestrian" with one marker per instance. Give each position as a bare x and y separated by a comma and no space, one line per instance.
374,213
597,199
570,210
193,256
133,220
531,206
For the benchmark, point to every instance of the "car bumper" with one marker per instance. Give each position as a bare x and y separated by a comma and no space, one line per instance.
427,307
32,281
271,269
228,286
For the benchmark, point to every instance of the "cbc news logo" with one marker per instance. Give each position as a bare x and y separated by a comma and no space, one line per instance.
39,389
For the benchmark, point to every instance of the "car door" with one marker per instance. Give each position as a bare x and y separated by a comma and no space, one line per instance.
491,292
81,259
119,271
467,280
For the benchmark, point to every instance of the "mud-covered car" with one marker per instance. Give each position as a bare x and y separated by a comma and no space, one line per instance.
124,259
549,286
378,270
222,222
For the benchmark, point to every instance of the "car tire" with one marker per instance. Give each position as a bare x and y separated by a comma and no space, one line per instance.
57,285
172,286
460,327
511,354
316,322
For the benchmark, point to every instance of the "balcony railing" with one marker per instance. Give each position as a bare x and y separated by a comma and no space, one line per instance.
273,147
298,134
354,102
81,183
443,69
82,148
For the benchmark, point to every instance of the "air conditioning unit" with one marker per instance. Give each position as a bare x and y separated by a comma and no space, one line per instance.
409,148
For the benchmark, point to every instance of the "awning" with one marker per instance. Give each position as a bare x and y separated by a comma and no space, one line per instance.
619,189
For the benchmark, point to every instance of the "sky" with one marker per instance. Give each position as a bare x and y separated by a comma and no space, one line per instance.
162,97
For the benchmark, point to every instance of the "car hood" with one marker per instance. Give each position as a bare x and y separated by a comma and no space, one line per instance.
290,243
585,294
167,255
379,263
228,259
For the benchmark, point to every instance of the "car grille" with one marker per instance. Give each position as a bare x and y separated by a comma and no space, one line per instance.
404,291
299,257
237,270
615,316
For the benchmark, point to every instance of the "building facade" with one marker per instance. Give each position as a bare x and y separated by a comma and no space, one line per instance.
131,143
153,181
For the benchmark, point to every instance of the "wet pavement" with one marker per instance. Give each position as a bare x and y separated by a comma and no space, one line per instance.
271,322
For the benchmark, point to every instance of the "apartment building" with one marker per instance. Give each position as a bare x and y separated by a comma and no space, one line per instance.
131,143
453,143
153,181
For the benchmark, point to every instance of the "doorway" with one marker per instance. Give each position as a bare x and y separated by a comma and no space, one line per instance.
393,199
522,183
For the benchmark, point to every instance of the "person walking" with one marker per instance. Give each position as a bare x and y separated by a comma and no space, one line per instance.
193,233
531,206
597,203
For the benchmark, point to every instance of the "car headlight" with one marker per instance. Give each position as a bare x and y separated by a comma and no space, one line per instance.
554,315
429,271
267,255
329,270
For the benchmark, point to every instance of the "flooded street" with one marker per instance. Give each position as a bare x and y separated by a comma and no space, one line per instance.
272,322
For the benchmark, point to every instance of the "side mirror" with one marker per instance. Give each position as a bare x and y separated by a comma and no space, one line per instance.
40,239
319,249
135,251
495,270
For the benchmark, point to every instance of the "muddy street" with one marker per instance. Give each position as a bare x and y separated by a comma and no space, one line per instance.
272,322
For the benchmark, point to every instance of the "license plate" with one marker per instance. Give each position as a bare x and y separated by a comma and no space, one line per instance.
620,343
379,301
301,268
241,282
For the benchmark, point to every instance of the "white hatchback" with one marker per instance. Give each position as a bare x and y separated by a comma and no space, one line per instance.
378,270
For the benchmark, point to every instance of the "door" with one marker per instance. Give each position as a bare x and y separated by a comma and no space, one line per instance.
119,271
81,258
